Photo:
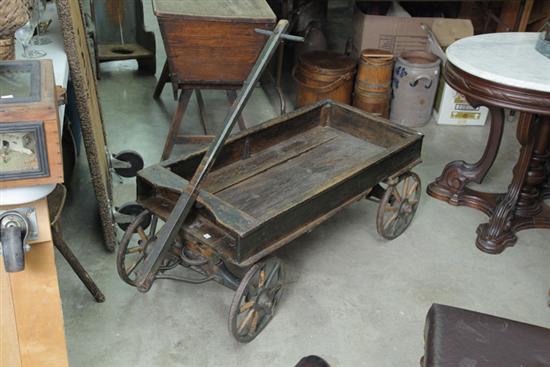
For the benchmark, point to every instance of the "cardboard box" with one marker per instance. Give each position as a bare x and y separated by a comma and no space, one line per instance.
398,34
453,109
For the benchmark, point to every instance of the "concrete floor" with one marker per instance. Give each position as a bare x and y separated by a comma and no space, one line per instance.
351,297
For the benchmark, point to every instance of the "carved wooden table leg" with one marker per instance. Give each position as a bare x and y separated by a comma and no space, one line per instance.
494,70
495,236
546,185
451,185
529,202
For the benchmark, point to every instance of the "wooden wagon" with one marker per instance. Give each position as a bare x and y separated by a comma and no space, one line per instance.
271,184
222,211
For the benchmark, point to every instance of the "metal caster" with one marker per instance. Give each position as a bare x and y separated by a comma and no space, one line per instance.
127,163
14,228
127,213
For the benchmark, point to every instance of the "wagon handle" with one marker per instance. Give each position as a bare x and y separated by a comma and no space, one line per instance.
287,37
167,234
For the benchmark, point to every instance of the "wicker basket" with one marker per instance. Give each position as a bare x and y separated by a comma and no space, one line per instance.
13,15
7,48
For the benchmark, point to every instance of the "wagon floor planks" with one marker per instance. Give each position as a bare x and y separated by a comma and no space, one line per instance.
277,178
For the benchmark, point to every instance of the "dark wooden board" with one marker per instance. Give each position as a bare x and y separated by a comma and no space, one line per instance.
262,161
277,189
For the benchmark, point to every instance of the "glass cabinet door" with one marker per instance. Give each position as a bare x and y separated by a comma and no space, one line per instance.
19,82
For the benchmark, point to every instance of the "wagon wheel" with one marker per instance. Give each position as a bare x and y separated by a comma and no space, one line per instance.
398,206
132,253
256,299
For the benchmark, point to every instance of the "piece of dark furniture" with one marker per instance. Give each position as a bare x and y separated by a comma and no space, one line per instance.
522,205
460,338
210,44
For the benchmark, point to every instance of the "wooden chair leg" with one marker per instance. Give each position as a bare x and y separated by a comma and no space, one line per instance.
163,79
183,101
67,253
232,96
202,113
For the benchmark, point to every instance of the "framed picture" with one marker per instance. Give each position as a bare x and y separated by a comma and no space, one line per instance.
23,151
19,82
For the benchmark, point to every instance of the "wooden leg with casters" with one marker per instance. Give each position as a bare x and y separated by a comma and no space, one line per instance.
75,264
56,202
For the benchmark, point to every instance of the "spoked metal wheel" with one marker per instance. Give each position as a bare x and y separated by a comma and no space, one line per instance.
256,299
134,246
398,206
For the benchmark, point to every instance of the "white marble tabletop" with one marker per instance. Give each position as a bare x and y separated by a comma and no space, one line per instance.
505,58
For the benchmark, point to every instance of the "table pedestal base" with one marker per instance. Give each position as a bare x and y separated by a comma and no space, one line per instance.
522,206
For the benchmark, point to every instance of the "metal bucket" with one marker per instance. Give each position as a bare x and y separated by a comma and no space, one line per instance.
415,79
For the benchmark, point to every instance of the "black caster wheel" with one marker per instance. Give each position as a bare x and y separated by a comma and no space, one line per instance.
13,251
256,299
128,212
398,206
124,158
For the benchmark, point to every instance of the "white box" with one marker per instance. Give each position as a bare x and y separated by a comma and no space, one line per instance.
453,109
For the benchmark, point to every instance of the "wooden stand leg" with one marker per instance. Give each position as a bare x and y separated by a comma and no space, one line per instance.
163,79
495,236
68,254
202,112
457,174
185,96
232,96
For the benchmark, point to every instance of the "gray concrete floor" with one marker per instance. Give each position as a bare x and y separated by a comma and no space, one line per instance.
351,297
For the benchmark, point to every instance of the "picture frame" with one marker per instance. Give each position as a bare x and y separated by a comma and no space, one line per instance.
10,83
23,153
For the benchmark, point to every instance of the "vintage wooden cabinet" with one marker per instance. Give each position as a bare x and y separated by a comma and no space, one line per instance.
212,42
30,151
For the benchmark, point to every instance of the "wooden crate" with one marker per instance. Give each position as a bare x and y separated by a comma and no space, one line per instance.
212,41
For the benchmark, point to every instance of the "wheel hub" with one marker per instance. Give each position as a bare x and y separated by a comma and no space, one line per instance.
264,300
405,207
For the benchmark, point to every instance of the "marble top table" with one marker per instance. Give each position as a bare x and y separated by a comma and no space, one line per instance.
503,70
505,58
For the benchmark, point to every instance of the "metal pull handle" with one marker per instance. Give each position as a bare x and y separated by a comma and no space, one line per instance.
287,37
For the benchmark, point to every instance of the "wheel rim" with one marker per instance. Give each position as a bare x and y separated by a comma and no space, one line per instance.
398,206
255,301
132,250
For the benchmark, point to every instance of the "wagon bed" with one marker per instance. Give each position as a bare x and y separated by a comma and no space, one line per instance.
281,178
